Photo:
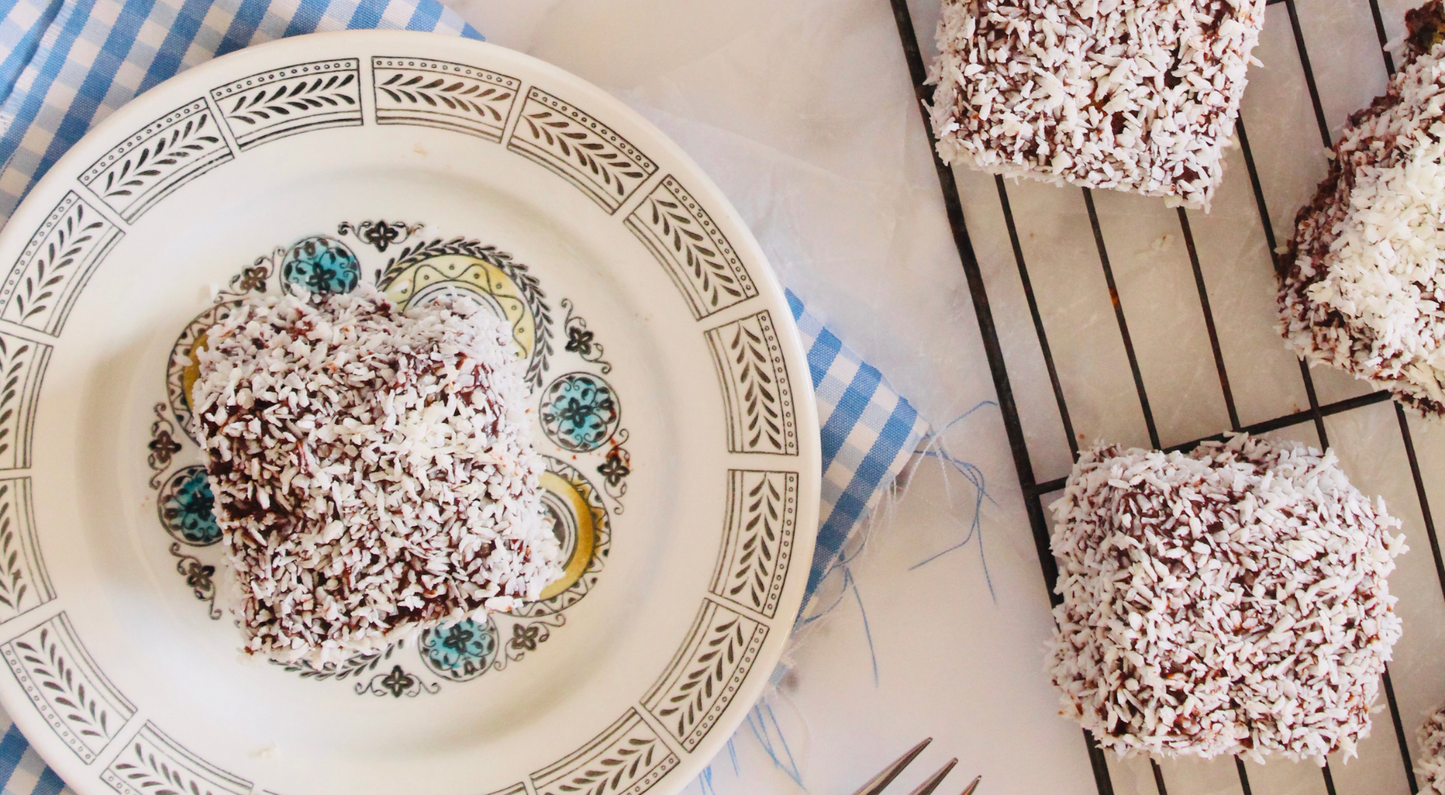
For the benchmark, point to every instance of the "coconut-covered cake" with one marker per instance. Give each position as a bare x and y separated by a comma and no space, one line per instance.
1361,281
373,470
1231,600
1135,95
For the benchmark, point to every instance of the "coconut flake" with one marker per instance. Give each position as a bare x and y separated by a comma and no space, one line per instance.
373,471
1362,287
1228,601
1431,767
1137,96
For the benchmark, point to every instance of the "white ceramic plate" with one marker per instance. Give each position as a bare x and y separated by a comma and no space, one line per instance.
672,394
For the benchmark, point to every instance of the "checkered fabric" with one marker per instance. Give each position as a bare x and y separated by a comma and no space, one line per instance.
67,64
868,434
70,63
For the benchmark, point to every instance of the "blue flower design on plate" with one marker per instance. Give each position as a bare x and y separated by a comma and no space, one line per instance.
320,264
461,651
579,412
186,504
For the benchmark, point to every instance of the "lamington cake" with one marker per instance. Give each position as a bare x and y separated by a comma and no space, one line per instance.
1430,767
1232,600
1134,95
373,471
1361,284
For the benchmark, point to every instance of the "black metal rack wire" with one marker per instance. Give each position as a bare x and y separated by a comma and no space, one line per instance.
1035,491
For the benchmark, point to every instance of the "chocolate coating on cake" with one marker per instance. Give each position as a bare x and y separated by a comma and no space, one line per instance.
1361,286
1424,28
373,471
1431,766
1228,601
1134,95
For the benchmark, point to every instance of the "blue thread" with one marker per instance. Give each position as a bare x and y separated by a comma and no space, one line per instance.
849,583
760,730
704,779
975,477
867,631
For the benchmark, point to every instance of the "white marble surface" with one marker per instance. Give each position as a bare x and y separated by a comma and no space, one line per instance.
801,110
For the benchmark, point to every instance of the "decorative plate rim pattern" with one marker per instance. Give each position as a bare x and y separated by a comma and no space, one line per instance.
211,116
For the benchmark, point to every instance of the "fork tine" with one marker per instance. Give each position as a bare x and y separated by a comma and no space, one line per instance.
927,787
882,780
973,785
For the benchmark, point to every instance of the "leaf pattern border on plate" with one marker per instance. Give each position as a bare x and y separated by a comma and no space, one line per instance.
24,582
82,707
632,755
762,516
626,759
56,264
22,368
291,100
706,673
580,149
442,94
157,159
356,665
362,668
154,764
754,377
690,247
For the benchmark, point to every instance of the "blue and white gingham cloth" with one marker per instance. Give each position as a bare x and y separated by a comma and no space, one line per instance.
868,433
70,63
67,64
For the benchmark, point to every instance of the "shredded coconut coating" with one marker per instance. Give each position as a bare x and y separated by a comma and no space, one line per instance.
1228,601
1133,95
1361,283
1430,769
373,471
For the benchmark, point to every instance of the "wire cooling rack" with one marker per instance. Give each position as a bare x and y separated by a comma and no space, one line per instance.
1036,492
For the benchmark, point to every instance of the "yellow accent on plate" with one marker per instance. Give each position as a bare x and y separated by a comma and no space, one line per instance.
586,533
193,370
475,276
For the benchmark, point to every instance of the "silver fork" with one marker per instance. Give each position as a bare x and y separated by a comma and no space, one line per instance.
881,781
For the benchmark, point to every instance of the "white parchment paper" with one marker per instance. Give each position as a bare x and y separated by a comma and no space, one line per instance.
802,111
